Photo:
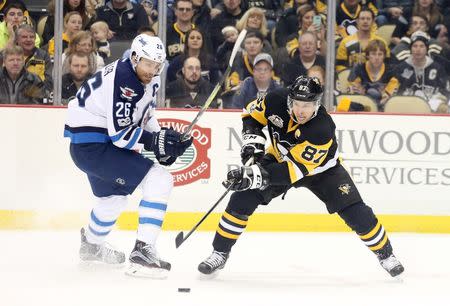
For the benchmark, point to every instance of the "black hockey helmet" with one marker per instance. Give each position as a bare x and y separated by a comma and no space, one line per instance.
304,89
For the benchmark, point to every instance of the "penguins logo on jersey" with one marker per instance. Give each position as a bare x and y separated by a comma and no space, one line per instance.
345,188
276,120
127,93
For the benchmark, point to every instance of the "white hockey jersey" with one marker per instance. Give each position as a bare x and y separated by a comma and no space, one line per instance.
113,105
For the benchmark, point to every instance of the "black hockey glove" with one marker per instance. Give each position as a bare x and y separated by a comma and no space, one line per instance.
167,144
252,145
253,177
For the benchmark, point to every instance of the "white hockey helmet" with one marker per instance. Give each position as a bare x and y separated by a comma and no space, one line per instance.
149,47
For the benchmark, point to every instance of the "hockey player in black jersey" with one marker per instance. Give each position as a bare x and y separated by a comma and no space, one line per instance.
303,153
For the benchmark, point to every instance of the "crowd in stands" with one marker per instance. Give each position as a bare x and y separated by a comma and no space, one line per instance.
384,48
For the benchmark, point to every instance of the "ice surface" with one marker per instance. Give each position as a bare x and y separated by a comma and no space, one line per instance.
39,268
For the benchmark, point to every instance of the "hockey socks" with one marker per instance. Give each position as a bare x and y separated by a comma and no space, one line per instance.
230,227
377,241
151,217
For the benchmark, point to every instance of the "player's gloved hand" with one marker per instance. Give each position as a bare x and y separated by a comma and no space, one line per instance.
252,146
167,142
253,177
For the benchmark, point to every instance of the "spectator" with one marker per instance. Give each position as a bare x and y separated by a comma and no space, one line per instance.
243,63
92,5
100,32
68,6
228,17
176,32
431,11
271,8
17,85
195,47
394,12
306,14
37,60
202,15
256,86
374,78
79,71
83,42
14,17
303,60
419,22
347,14
124,18
72,25
190,90
152,14
288,23
223,54
351,49
254,19
420,76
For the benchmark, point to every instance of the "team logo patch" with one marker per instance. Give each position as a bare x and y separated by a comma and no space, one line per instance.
297,134
194,164
345,188
127,93
124,122
120,181
276,120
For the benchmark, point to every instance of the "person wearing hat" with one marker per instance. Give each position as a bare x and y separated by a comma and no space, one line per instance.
224,51
419,75
256,86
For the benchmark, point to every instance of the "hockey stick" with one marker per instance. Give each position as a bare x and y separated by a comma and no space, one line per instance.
180,238
187,133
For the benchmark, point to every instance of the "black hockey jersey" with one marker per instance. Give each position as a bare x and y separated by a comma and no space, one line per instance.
301,150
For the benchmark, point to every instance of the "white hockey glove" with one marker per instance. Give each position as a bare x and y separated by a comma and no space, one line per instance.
253,142
253,177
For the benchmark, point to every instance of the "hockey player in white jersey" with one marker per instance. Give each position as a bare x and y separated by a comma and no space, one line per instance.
111,118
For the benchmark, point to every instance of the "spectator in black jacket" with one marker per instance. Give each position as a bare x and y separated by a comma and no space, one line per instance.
78,72
123,17
190,90
17,85
176,32
231,14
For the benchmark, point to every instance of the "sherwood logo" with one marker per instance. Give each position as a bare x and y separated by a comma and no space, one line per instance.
194,164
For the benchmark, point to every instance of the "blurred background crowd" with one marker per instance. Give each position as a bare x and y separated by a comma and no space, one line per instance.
391,56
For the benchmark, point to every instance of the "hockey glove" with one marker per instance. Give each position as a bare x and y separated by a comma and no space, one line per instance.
252,146
167,143
253,177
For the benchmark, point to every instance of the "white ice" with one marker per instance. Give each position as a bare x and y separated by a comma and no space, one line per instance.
39,268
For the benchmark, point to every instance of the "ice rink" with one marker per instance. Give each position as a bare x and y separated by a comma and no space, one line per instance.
40,268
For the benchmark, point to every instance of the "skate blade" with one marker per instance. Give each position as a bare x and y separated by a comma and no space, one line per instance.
92,265
137,270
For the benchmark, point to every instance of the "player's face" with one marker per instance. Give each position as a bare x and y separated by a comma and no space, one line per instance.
303,111
376,58
146,69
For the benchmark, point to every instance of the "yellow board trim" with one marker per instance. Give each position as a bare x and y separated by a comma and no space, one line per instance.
372,232
234,219
262,222
227,235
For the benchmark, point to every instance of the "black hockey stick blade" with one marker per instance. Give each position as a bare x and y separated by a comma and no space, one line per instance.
179,239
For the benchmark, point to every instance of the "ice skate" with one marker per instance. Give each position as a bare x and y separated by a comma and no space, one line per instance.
144,262
213,263
392,265
90,252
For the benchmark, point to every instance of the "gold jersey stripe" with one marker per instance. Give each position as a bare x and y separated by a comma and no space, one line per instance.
372,232
234,219
227,235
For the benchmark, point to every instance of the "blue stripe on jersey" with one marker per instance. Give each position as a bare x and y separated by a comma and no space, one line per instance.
119,136
136,136
154,205
77,138
101,223
98,233
150,221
